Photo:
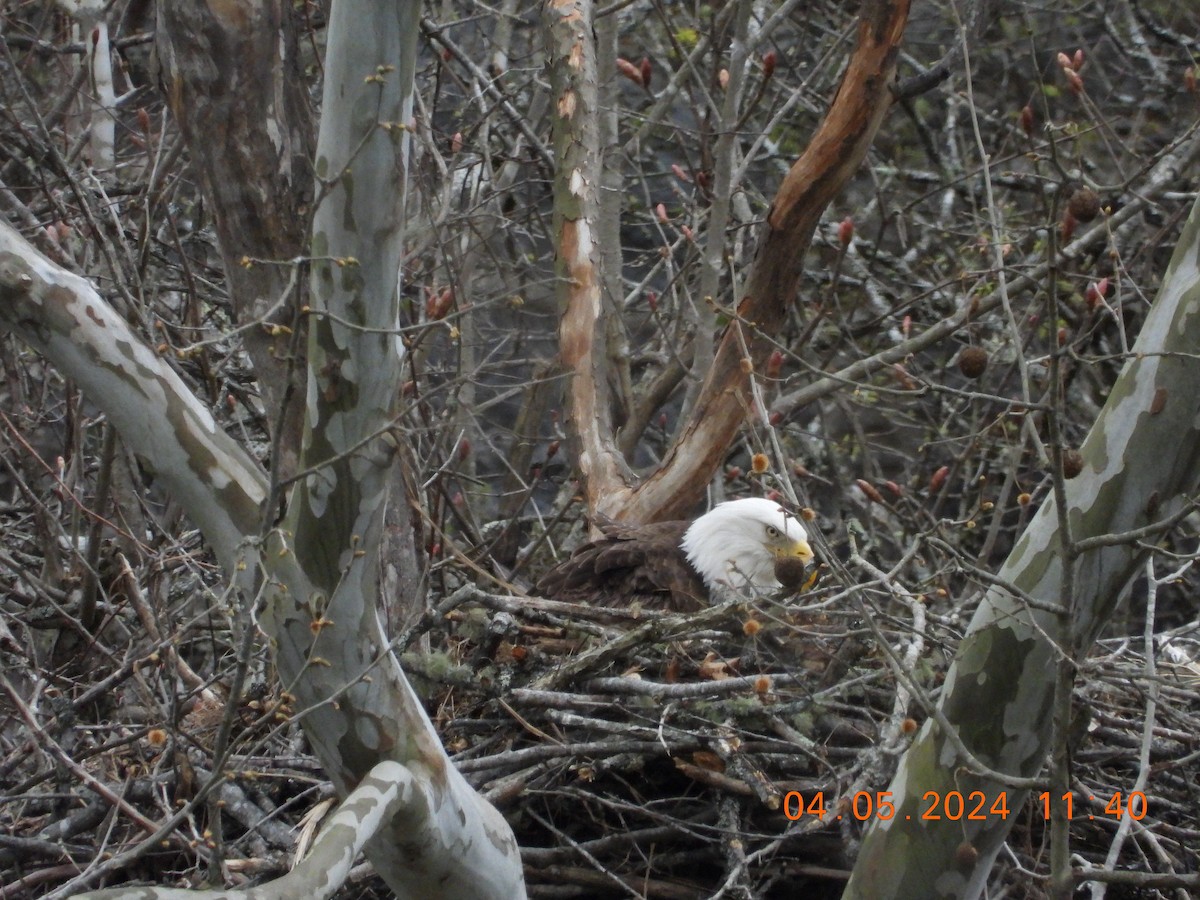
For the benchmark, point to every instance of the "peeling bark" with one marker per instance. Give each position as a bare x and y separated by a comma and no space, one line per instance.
835,152
1141,460
831,158
172,433
317,582
232,78
586,329
330,649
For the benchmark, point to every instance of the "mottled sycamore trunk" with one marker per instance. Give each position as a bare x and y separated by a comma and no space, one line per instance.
235,88
1142,459
172,433
316,586
330,649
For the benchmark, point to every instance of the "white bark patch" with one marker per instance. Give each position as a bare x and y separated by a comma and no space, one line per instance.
341,431
320,486
1185,278
577,184
312,397
274,134
583,241
567,103
218,477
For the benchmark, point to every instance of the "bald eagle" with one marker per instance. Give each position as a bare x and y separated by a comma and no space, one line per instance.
685,566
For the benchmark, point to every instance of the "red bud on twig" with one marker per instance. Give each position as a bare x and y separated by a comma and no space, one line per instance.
902,377
437,305
869,489
1026,120
774,363
1096,291
630,71
1068,227
845,231
938,479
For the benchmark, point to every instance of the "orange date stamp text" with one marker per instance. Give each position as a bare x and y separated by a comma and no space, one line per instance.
955,806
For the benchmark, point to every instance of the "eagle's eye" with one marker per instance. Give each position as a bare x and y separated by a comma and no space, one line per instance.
772,531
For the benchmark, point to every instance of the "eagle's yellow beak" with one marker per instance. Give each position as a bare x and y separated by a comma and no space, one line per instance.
796,550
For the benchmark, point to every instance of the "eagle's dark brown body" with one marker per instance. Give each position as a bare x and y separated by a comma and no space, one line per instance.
629,564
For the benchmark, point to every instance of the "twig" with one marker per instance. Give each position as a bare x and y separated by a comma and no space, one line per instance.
1114,851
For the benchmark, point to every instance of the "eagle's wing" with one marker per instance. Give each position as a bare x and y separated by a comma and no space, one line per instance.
629,564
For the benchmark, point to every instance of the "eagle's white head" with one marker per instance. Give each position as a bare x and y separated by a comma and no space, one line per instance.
739,541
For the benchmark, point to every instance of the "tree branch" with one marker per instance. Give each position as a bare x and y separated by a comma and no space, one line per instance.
832,157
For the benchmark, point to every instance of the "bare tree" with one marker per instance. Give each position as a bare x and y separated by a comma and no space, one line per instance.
1009,690
887,268
587,342
232,81
313,576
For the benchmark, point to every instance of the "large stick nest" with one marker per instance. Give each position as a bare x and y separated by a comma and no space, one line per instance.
671,755
636,753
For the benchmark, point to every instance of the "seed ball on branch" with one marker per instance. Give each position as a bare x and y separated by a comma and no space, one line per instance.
1084,204
965,855
972,361
1072,463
